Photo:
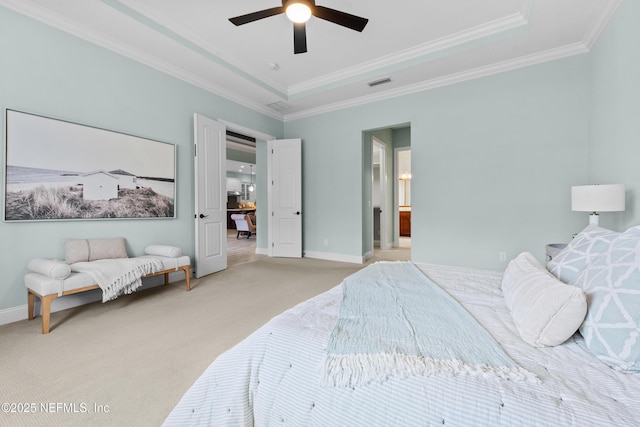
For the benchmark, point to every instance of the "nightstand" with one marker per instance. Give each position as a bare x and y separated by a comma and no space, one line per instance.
553,249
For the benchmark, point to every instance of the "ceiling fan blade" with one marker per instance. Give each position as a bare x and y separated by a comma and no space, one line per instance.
341,18
299,38
250,17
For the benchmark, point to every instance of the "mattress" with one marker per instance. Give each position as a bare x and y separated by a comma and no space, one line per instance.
273,377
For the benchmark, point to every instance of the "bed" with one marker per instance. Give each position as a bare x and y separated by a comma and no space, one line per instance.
277,375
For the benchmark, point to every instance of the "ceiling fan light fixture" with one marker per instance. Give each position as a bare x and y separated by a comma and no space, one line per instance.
298,11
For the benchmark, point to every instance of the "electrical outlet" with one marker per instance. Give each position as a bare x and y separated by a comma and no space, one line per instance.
502,256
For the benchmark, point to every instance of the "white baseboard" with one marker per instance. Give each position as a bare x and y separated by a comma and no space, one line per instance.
334,257
16,314
368,255
262,251
13,314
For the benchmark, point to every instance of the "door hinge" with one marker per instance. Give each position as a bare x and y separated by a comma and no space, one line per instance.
195,150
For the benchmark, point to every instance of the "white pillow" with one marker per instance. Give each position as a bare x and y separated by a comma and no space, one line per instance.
545,310
51,268
163,250
83,250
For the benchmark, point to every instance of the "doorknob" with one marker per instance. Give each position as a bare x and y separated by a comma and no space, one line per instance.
203,216
298,213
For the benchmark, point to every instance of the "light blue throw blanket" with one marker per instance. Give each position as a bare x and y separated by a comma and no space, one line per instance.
395,322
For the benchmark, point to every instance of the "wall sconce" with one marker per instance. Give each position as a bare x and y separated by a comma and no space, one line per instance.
597,198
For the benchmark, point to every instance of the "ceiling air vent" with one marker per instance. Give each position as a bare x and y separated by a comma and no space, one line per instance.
379,81
279,106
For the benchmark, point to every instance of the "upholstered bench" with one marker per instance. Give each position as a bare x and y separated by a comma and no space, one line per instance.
49,279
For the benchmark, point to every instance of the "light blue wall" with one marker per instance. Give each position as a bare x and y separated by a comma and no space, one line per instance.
493,162
402,137
333,174
48,72
493,158
615,112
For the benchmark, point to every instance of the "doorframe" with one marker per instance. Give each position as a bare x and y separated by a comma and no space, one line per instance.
262,137
384,241
247,131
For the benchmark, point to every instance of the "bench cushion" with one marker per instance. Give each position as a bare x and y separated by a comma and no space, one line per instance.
46,285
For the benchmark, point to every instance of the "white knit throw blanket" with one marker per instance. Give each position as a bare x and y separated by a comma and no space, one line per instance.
395,322
118,276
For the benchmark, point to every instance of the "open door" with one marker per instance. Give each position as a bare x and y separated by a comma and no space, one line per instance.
210,196
285,197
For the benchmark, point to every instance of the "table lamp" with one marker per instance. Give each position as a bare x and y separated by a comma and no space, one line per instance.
597,198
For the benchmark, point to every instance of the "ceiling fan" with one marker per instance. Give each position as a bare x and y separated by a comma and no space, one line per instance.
299,11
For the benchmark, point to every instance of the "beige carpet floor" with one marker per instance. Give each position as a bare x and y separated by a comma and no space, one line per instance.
129,361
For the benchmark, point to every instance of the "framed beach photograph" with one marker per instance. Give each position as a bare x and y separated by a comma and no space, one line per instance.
59,170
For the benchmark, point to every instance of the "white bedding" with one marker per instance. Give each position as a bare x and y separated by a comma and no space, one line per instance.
274,377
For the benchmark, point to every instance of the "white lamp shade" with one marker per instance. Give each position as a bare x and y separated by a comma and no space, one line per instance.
598,198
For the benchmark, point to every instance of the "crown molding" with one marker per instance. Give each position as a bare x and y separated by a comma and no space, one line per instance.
506,23
84,33
510,22
149,15
601,23
512,64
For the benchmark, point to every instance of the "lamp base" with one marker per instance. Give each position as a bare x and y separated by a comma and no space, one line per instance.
594,219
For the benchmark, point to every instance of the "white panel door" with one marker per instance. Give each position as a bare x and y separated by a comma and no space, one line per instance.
210,195
285,197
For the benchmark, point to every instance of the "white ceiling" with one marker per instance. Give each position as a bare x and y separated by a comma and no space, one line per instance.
419,44
241,167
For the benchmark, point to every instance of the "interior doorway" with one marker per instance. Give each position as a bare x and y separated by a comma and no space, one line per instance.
246,147
380,188
242,191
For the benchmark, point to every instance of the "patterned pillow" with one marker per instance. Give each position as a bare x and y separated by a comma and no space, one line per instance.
588,244
612,284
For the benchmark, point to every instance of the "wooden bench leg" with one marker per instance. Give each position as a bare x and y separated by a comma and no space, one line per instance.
187,276
31,305
45,301
166,278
